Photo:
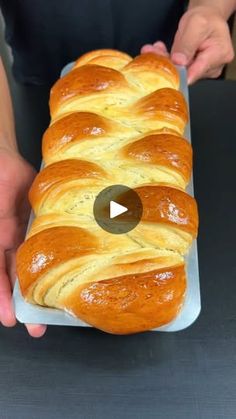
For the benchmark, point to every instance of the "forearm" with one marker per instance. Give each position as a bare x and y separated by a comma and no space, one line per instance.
7,126
225,7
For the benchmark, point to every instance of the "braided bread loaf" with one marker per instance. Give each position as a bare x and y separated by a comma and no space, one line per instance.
114,120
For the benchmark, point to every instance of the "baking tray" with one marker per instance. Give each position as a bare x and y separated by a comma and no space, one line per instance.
29,313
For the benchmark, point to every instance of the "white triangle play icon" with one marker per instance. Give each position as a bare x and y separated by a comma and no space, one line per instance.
116,209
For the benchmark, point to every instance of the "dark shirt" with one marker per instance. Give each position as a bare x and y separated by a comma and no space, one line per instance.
47,34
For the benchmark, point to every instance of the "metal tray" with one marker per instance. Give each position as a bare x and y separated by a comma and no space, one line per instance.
29,313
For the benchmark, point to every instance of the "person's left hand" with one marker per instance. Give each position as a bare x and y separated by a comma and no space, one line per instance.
202,43
16,177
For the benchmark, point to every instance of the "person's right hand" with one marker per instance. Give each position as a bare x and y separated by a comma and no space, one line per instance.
202,43
16,176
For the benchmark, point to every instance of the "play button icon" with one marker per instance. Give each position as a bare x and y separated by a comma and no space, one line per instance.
117,209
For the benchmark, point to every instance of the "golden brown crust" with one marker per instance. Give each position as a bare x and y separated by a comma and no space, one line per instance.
45,250
84,81
167,103
150,62
166,205
106,57
130,303
163,149
113,119
62,172
76,127
169,205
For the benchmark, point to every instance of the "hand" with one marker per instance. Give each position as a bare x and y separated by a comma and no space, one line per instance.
202,43
16,176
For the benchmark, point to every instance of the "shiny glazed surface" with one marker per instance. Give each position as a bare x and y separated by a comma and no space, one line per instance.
114,120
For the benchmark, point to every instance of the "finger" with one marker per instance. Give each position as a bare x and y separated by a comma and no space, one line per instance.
36,330
10,260
156,49
205,63
161,46
192,31
147,48
214,73
7,316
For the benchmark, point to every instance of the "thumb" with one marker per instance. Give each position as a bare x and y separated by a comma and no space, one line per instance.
7,317
187,40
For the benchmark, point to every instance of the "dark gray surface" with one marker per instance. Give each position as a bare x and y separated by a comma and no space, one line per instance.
80,373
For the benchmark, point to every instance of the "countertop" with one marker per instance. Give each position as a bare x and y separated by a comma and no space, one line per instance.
83,373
